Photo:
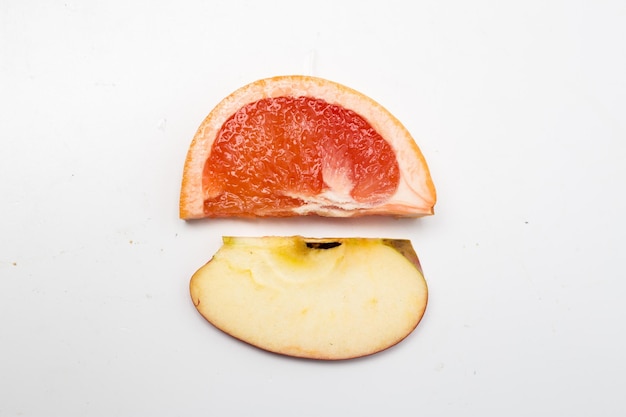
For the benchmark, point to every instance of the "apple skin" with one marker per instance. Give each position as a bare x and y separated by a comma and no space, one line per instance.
317,298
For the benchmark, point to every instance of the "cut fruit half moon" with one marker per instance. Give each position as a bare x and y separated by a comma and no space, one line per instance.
313,298
299,145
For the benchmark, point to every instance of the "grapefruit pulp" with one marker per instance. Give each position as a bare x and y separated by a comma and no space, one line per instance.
299,145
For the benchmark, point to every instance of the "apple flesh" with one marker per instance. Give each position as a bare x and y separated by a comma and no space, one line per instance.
313,298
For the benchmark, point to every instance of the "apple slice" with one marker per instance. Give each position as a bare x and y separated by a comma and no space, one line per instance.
313,298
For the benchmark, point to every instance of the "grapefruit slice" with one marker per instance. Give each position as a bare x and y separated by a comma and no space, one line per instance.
300,145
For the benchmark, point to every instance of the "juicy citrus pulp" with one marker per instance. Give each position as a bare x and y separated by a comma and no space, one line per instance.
297,148
295,145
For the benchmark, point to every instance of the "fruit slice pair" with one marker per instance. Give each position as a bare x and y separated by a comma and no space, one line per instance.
298,145
313,298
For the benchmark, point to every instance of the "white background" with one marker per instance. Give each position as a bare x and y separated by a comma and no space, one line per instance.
518,107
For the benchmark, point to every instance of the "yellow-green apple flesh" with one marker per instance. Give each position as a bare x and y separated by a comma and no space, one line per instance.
330,299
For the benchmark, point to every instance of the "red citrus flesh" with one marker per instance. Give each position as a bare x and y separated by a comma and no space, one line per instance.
272,154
